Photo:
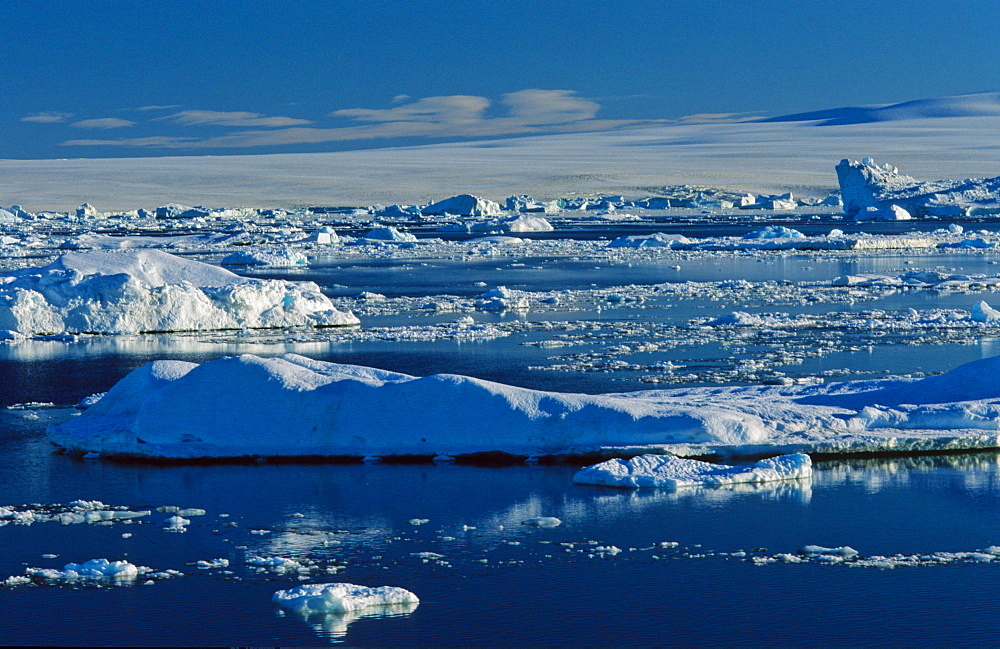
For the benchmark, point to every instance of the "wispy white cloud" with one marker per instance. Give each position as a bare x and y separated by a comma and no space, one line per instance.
156,141
47,118
525,112
453,109
233,118
103,122
156,107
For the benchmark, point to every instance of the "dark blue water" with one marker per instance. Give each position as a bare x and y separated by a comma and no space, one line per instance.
503,582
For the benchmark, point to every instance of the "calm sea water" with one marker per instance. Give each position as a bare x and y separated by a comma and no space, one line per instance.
496,581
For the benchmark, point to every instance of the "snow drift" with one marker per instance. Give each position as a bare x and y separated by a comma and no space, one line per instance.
151,291
294,406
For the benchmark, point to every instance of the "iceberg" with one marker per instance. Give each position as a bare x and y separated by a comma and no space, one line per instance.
675,472
866,184
464,205
143,291
292,406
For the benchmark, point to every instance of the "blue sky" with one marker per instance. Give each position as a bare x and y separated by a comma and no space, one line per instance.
152,77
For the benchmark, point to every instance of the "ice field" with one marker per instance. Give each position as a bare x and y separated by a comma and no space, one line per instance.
363,397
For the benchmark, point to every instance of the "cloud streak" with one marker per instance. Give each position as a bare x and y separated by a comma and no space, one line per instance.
235,118
47,118
525,112
103,122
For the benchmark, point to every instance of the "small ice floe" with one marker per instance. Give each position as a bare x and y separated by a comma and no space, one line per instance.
542,521
386,234
330,608
675,472
840,553
502,299
280,258
341,597
774,232
176,524
277,565
655,240
418,521
94,570
212,563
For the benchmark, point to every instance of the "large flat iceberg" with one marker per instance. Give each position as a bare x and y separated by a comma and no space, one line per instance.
153,291
293,406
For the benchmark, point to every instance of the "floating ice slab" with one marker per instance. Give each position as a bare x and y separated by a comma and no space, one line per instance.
341,598
295,406
153,291
674,472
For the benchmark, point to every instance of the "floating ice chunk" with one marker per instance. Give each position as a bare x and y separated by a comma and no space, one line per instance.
90,570
844,551
774,232
983,312
464,205
151,291
279,565
502,299
387,233
656,240
542,521
176,524
888,213
521,223
324,236
213,563
332,607
670,471
284,257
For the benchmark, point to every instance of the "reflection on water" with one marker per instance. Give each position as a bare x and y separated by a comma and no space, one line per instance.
333,626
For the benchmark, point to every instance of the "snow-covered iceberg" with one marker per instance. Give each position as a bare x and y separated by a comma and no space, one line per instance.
866,184
674,472
464,205
153,291
294,406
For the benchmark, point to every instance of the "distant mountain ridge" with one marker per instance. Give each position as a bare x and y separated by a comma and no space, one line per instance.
979,104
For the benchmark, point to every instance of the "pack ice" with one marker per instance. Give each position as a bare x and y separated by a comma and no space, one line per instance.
294,406
153,291
880,192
